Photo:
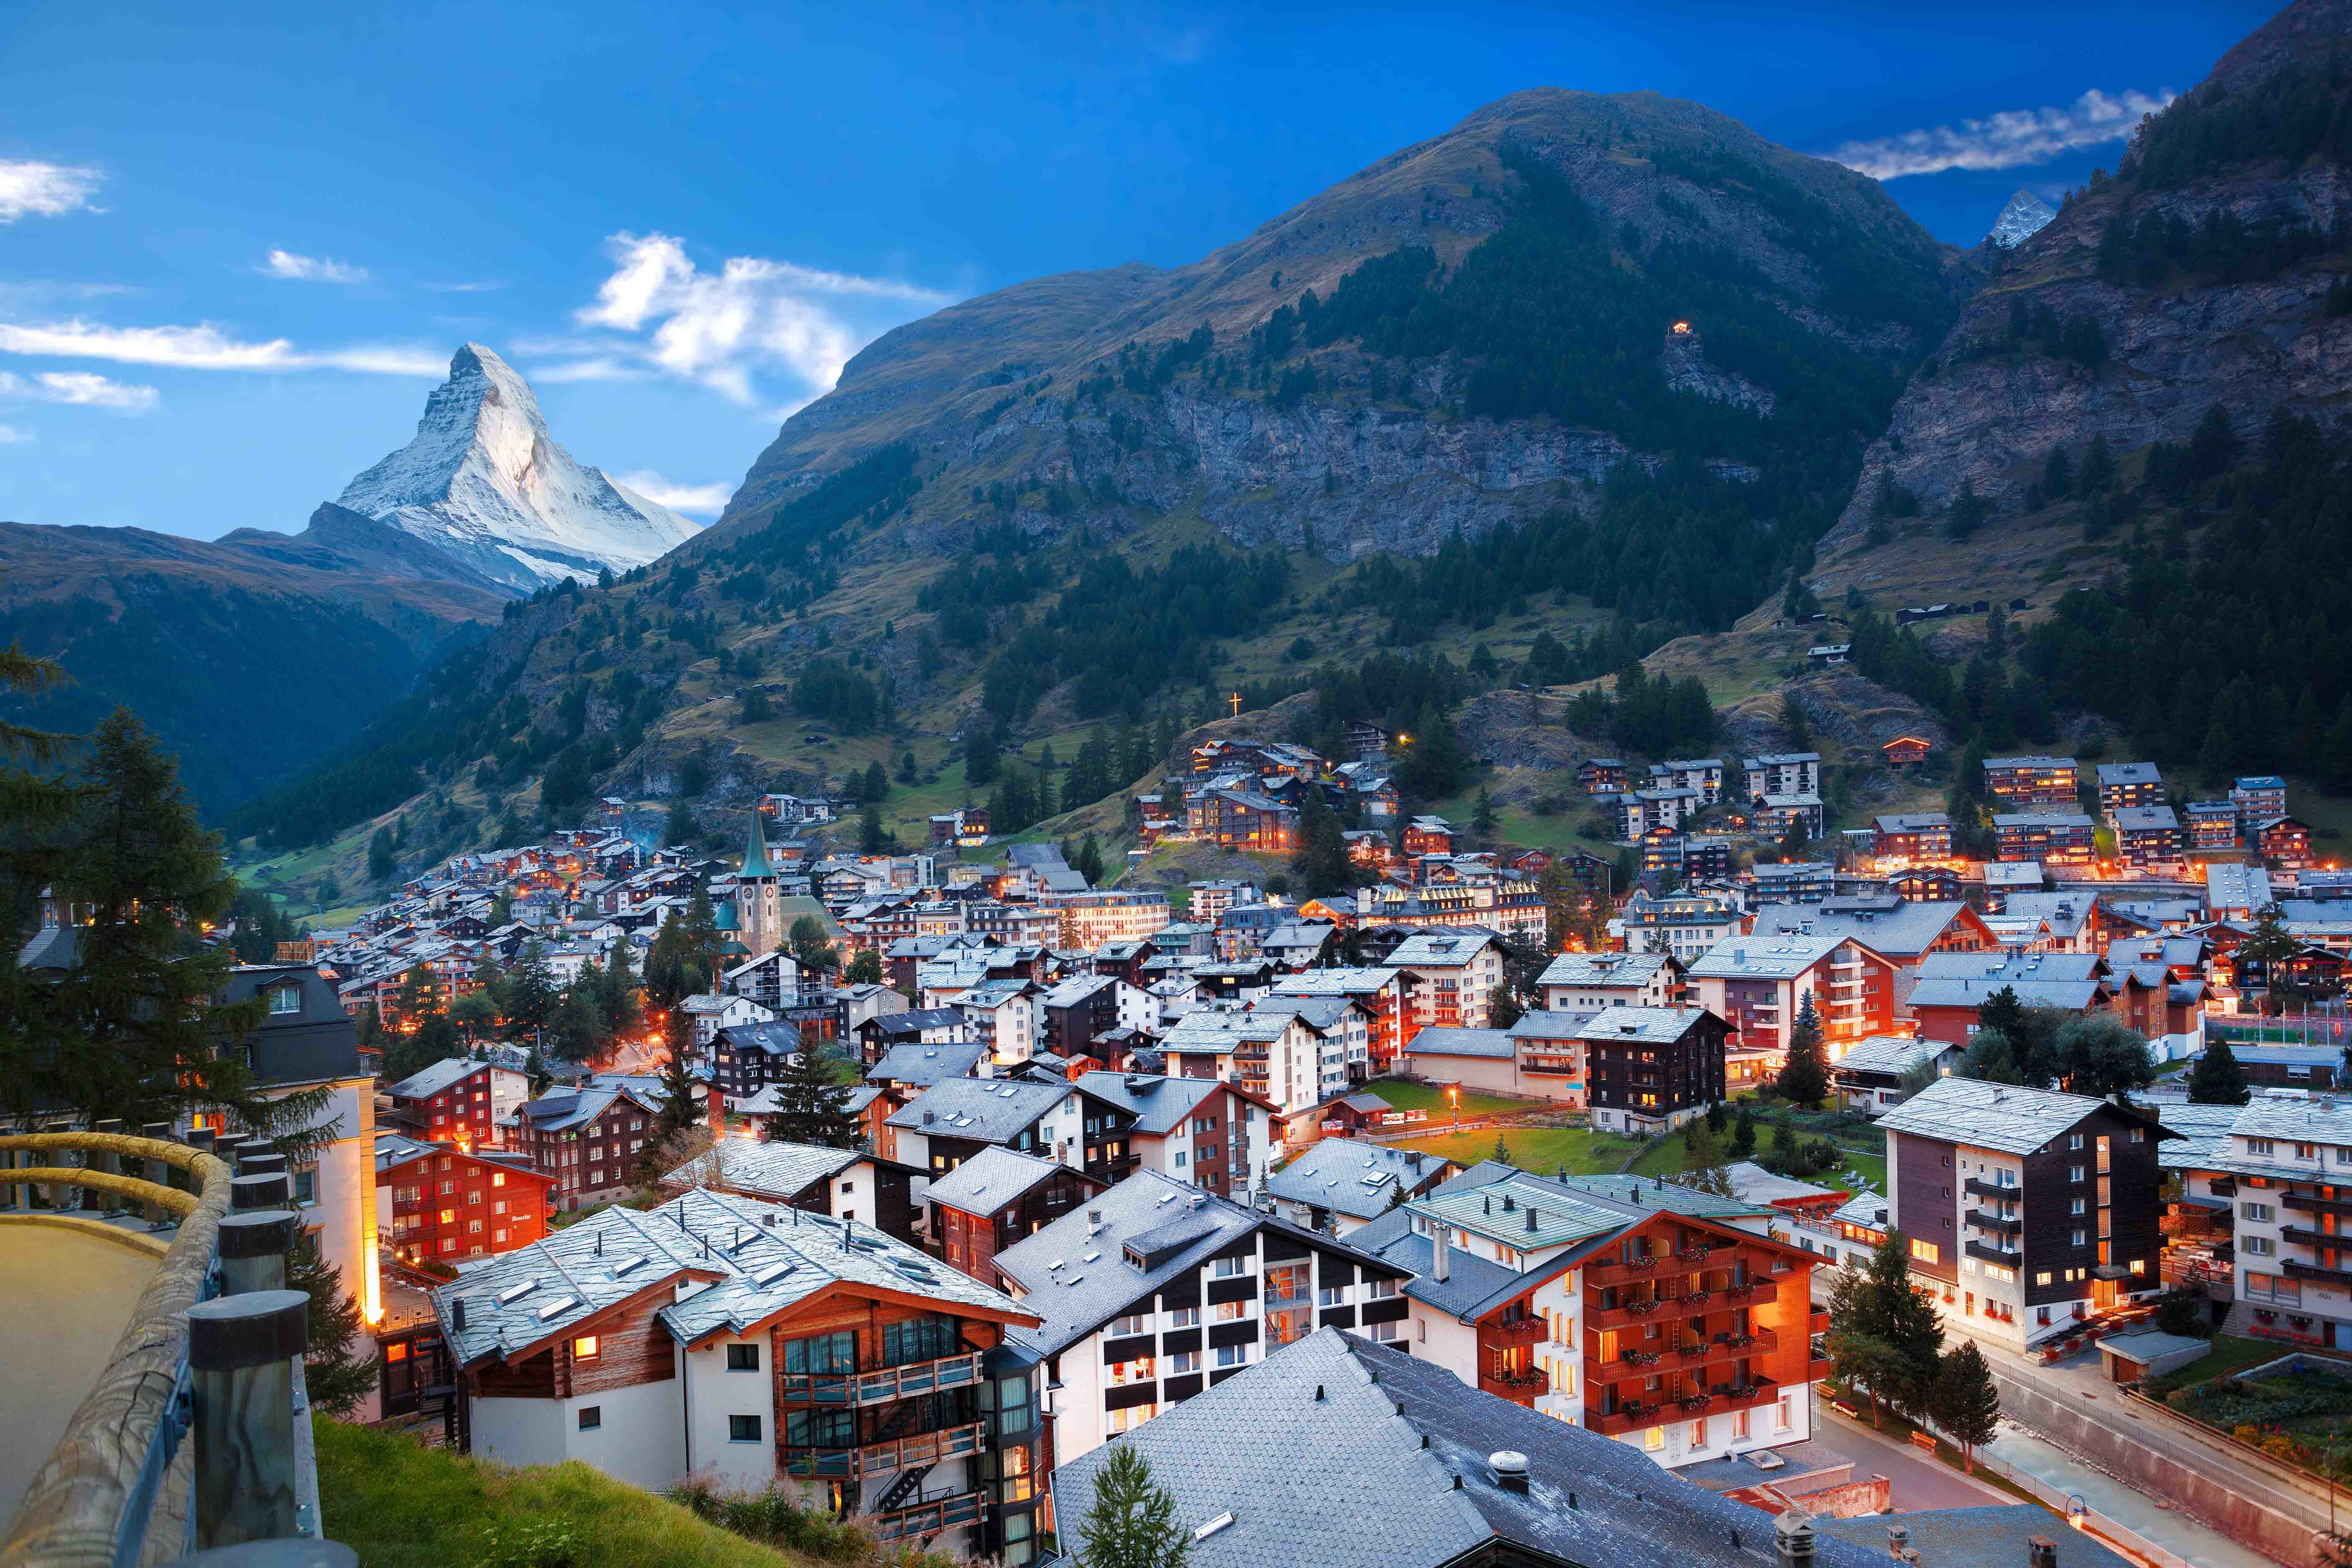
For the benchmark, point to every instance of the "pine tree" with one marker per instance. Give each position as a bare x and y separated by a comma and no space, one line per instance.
337,1375
865,967
132,1029
1132,1524
1319,866
682,1106
2266,948
870,836
1089,863
1883,1335
1967,513
1964,1401
1805,1077
2057,475
1703,1160
531,988
617,992
812,1107
1743,1135
1482,816
1502,1150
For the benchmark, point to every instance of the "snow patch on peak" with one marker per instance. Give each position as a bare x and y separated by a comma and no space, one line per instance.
2025,216
485,481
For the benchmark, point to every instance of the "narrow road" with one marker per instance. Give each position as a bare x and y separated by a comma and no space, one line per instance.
2153,1518
1921,1481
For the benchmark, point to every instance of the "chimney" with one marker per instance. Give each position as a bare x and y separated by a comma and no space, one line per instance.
1510,1468
1898,1544
457,1314
717,1112
2040,1551
1531,1219
1441,1262
1792,1540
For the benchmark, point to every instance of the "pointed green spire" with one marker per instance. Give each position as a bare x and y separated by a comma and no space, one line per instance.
755,853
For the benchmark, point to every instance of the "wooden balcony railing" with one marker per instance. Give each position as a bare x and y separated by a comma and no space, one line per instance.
858,1389
927,1517
2304,1235
882,1458
2309,1204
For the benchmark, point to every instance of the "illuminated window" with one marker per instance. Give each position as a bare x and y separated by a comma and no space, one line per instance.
586,1348
499,1179
1653,1439
1926,1251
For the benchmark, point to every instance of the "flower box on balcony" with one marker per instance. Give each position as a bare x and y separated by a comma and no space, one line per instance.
1640,1358
1696,1297
1641,1308
1738,1292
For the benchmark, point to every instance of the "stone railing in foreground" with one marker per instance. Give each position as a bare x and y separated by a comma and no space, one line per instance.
212,1346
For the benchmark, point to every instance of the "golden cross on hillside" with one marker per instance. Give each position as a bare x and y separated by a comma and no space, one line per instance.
1236,700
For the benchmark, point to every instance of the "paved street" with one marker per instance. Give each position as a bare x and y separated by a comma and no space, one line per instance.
1920,1482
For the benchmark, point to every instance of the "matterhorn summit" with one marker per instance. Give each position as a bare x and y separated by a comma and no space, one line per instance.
485,482
2020,220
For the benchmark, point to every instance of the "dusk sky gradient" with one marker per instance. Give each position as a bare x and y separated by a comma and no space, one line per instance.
238,244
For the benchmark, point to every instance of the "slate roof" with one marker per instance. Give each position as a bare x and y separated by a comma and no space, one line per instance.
1440,949
1640,1025
432,1080
1077,1278
1334,1453
1159,1104
987,1110
775,1037
913,1062
1351,1178
1869,1210
2297,1121
1443,1042
2129,774
1604,969
2006,1118
1888,925
1769,955
1471,1281
2204,1136
990,1179
1891,1054
1320,1014
780,1170
561,1109
1752,1183
2147,819
1340,982
1542,1025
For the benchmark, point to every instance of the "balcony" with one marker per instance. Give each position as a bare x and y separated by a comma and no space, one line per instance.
859,1389
927,1519
1514,1384
2226,1187
1980,1220
924,1450
2313,1271
2304,1235
1626,1418
1817,1368
1617,1271
2309,1204
1978,1187
1514,1331
1977,1249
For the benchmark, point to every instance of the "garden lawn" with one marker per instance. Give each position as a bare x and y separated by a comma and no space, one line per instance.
401,1505
1666,1160
1542,1150
1432,1098
2295,1417
2231,1353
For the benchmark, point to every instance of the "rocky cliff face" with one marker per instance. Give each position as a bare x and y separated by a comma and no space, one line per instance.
2172,350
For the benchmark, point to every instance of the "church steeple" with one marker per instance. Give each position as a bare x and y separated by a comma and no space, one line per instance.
755,853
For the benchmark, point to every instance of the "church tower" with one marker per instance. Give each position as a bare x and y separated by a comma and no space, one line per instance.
759,896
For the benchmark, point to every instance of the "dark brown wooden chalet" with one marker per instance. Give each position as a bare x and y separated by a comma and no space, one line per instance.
997,1198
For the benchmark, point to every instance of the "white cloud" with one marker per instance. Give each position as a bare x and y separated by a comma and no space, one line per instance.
754,315
10,436
43,190
79,388
459,288
599,367
207,347
710,498
312,268
2008,140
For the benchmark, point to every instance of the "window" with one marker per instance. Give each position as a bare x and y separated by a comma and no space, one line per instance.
2251,1246
1139,1370
1183,1317
742,1429
743,1358
2080,1206
1387,1332
1229,1267
1782,1420
2041,1277
592,1416
917,1339
821,1430
2073,1173
285,999
822,1353
1183,1362
2074,1141
2256,1211
498,1178
1698,1436
1229,1312
1331,1296
1653,1439
2258,1145
1128,1419
1232,1355
1382,1290
1133,1323
1926,1251
1738,1425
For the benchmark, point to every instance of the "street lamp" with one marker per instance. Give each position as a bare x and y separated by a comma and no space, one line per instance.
1454,1098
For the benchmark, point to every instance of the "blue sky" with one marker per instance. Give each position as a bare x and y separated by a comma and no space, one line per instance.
238,244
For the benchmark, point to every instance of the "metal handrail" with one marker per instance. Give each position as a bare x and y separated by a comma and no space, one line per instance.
90,1503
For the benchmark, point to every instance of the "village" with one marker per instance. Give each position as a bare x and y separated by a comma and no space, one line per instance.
1098,1149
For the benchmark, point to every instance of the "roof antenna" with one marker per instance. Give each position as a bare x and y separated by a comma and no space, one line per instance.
600,1244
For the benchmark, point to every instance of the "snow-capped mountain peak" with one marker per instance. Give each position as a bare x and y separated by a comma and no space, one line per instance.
485,482
2020,220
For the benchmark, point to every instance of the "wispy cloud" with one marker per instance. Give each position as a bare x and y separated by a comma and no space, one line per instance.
30,189
10,436
80,389
752,316
295,268
2012,139
207,347
459,288
710,498
598,367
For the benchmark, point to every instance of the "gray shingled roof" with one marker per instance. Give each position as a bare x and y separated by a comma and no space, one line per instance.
1893,1054
989,1180
2002,1117
1993,1533
1752,1183
1077,1278
1639,1025
1604,969
764,1256
1775,955
1888,925
988,1110
1335,1453
779,1171
1157,1104
2204,1136
432,1080
1471,1281
1441,1042
1352,1178
914,1062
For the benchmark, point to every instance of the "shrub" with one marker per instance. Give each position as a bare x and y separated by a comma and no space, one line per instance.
532,1545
